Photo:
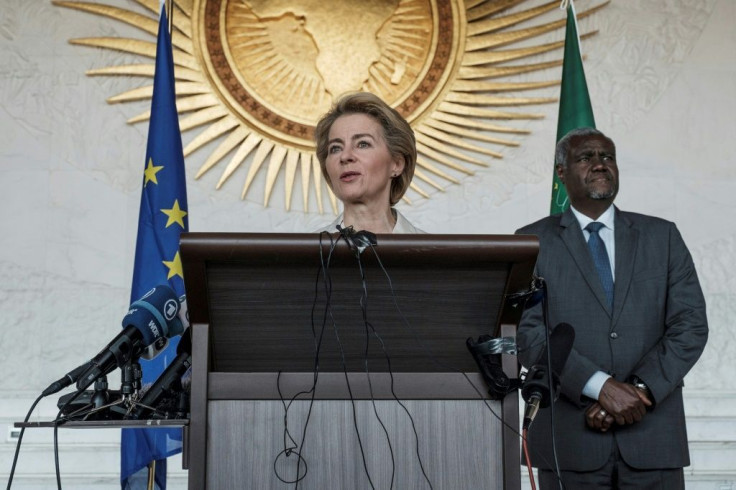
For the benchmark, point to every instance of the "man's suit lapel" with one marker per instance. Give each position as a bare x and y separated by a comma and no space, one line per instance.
626,237
572,236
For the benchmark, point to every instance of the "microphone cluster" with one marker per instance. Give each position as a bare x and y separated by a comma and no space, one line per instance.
147,327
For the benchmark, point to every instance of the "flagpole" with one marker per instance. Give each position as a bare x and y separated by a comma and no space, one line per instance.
170,14
151,474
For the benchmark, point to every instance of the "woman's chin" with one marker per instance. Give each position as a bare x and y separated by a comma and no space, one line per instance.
350,196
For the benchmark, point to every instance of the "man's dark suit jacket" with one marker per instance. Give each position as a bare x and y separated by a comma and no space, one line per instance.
657,330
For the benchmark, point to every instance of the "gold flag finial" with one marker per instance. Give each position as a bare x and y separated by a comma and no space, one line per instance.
169,5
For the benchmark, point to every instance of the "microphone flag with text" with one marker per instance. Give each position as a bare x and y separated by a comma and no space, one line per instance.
539,381
162,344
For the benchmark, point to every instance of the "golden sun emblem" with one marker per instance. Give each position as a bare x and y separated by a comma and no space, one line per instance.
256,75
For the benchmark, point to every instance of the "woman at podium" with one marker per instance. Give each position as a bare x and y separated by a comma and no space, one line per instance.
367,153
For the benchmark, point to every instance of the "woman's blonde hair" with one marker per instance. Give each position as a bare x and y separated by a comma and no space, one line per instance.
397,133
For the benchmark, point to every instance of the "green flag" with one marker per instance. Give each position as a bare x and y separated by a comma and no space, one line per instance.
575,108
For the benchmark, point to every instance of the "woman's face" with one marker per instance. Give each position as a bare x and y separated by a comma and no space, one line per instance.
359,163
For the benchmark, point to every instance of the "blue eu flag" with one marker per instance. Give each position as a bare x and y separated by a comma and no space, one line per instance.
162,218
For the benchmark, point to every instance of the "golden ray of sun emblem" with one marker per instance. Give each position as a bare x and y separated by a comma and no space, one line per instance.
256,75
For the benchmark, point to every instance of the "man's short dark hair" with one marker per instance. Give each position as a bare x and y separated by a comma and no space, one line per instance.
563,146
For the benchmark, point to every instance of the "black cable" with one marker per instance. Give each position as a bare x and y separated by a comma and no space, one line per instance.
57,422
539,285
324,268
352,403
413,425
56,456
346,234
20,439
61,419
368,328
324,271
358,242
288,450
545,319
448,367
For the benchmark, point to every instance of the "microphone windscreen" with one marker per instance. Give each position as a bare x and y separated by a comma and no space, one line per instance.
152,314
561,340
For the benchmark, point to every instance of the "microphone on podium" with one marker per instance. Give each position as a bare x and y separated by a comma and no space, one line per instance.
149,319
169,380
536,387
176,328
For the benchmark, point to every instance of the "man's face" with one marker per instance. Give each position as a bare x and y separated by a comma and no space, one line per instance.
591,173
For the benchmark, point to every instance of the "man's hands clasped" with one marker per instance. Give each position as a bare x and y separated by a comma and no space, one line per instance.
619,403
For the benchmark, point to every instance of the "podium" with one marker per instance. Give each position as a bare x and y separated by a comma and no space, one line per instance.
393,397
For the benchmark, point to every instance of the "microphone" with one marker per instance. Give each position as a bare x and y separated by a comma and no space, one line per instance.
173,373
68,379
536,388
149,319
162,343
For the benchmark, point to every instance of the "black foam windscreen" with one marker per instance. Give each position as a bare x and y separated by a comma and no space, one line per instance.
538,380
561,340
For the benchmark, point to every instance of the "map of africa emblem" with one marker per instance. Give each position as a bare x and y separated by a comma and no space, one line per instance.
254,76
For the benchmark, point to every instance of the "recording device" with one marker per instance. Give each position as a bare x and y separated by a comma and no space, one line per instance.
168,384
152,317
487,354
536,387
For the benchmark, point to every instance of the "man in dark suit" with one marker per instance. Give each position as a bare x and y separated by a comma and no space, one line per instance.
629,288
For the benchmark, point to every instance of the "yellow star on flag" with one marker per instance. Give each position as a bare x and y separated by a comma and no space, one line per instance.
174,267
150,173
175,214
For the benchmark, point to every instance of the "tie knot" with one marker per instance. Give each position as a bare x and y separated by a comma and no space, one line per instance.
594,226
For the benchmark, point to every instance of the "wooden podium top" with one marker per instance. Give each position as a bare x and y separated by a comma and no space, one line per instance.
268,304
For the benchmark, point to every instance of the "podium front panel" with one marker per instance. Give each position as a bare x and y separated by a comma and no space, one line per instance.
274,313
458,445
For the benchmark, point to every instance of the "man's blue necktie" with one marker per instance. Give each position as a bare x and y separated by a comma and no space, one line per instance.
600,258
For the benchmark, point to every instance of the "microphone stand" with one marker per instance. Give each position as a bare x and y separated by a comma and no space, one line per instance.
168,384
101,395
99,400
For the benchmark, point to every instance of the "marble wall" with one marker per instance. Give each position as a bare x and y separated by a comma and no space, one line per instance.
662,78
